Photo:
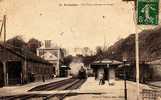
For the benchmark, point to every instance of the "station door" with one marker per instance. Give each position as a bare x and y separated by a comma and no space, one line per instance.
1,75
106,74
14,69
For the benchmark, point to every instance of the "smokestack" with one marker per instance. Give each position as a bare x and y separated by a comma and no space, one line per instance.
47,43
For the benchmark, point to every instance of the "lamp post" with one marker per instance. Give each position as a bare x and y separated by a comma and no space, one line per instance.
125,87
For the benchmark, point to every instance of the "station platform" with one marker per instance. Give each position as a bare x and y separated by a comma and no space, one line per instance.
22,89
91,90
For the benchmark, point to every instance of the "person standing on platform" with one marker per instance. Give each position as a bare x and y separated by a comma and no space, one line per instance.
101,76
43,78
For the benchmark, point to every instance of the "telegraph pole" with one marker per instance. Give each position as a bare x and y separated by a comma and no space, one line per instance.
4,20
3,30
137,62
137,51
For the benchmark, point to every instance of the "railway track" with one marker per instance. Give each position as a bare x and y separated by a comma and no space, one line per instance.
52,86
69,84
71,87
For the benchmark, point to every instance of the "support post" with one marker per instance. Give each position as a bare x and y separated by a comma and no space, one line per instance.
58,64
5,73
24,72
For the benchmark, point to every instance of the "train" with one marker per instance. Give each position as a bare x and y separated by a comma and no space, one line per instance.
82,73
77,70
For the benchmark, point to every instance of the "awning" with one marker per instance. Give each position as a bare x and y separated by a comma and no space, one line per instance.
106,61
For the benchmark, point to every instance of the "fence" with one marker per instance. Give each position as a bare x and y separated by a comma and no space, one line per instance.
151,94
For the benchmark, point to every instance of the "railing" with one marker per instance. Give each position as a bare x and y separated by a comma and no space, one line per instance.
151,94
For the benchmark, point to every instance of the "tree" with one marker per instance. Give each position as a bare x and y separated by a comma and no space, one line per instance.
88,59
64,52
99,53
86,51
33,44
67,60
17,42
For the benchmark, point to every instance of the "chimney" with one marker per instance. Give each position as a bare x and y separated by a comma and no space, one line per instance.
47,43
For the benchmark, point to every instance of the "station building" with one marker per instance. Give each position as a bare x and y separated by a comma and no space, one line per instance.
130,67
105,66
19,66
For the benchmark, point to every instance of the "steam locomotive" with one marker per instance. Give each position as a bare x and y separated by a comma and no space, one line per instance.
82,73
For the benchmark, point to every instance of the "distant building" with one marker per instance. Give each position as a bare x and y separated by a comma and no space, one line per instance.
81,51
52,54
87,51
77,51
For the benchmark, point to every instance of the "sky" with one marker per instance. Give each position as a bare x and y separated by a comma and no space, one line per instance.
69,26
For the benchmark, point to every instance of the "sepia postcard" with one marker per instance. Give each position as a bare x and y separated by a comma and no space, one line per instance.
80,50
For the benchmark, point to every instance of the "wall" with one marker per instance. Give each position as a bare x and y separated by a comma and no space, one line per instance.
39,69
156,70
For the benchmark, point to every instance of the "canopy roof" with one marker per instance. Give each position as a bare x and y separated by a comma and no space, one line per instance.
155,62
106,61
24,53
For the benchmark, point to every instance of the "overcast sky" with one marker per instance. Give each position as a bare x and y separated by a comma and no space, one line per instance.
69,26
